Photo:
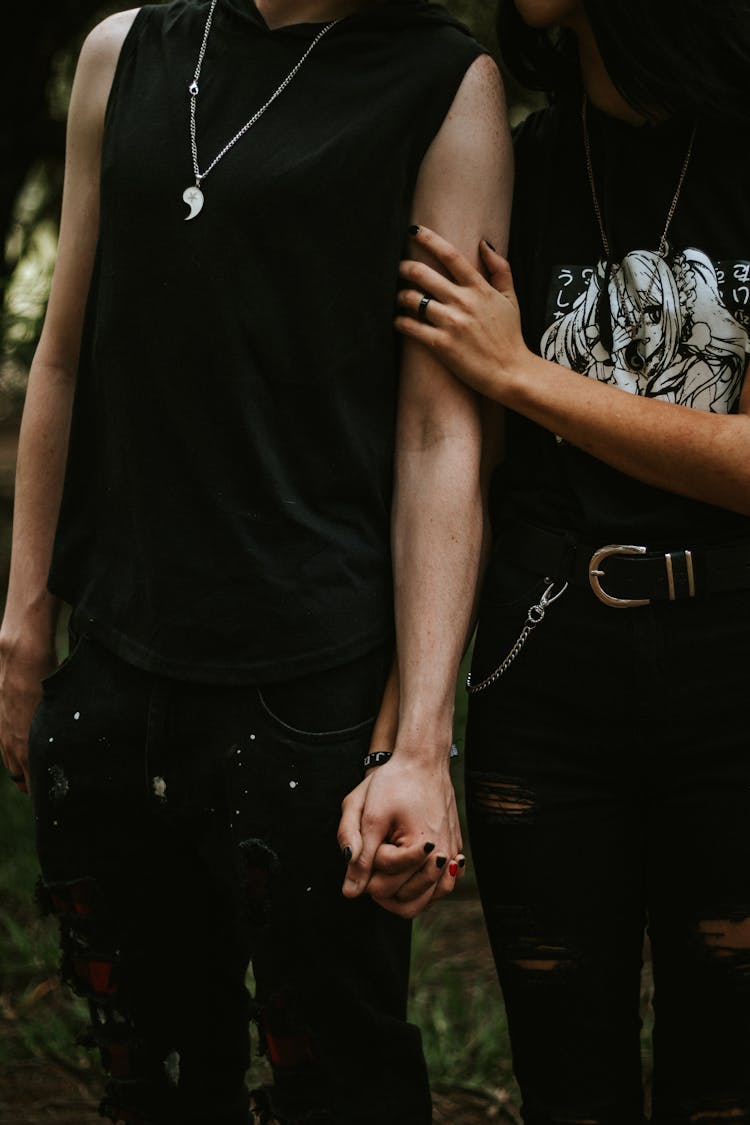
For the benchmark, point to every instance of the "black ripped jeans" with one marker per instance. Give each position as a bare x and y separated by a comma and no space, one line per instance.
608,791
184,830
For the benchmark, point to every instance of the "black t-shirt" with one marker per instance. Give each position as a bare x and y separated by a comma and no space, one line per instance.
674,328
227,500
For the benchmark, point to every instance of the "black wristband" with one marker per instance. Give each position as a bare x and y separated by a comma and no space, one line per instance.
379,758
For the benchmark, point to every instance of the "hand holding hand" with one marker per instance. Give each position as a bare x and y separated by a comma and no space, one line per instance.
401,835
471,323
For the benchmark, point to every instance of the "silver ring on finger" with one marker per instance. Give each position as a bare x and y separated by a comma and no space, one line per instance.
422,310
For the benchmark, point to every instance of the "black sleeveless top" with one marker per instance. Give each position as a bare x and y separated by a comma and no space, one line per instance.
227,498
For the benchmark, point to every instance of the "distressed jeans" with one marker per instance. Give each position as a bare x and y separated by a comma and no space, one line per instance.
184,830
609,792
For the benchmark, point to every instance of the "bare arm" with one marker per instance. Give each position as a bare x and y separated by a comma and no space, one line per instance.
477,333
464,186
27,651
386,725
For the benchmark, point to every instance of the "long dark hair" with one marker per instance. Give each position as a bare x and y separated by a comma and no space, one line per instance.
664,56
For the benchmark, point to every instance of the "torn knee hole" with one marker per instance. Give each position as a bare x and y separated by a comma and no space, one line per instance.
290,1051
120,1053
540,965
502,797
88,965
543,959
91,975
285,1040
118,1059
726,941
725,936
713,1116
577,1121
125,1056
539,957
76,898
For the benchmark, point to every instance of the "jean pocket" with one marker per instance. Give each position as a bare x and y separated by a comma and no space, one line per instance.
508,585
503,633
330,706
336,734
76,644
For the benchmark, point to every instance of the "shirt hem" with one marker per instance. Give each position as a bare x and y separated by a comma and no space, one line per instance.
235,672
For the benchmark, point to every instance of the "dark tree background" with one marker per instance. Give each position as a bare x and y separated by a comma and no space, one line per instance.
39,60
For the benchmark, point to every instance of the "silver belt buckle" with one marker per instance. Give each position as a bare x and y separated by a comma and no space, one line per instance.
595,574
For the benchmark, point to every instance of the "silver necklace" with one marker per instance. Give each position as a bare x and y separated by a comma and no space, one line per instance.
663,248
193,195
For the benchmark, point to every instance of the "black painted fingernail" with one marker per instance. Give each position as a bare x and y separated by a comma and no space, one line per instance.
441,861
462,863
347,854
429,848
414,230
490,245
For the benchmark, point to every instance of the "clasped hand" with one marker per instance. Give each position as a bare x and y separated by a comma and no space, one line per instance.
400,833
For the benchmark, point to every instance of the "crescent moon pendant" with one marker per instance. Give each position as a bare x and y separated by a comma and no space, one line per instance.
193,196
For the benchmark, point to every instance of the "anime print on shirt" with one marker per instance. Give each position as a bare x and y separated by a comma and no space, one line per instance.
679,326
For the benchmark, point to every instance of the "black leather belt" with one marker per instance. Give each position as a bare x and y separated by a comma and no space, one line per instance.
624,575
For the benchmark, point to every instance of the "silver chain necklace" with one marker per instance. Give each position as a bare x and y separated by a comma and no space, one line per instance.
662,249
634,324
636,327
193,195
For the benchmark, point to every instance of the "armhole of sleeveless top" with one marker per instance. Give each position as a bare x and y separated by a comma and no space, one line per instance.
452,89
126,49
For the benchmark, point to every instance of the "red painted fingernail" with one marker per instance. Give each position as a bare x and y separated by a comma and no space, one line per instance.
453,869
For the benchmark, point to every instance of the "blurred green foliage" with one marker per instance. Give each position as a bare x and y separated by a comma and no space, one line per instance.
479,15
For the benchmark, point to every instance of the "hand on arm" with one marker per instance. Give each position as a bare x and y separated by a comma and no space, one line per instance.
436,530
27,637
475,329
